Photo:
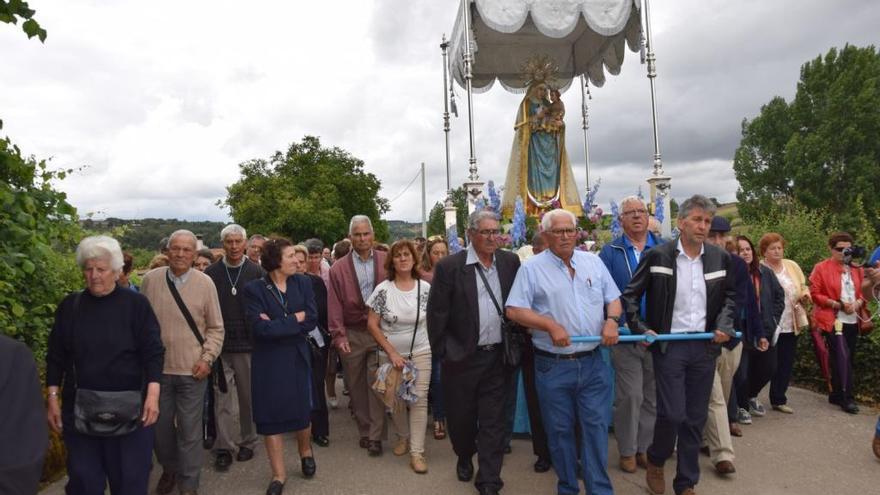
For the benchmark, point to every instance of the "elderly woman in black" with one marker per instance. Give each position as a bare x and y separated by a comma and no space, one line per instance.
281,310
105,354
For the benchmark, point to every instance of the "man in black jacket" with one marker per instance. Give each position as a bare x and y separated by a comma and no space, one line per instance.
230,275
464,326
689,288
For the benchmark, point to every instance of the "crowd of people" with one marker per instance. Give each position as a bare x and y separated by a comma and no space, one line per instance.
417,331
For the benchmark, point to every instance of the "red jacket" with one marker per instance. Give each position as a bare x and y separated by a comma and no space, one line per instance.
346,308
825,287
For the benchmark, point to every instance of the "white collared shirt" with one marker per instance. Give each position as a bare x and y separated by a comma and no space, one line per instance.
689,310
181,280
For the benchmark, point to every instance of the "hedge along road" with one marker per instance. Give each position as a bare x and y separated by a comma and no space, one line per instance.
818,450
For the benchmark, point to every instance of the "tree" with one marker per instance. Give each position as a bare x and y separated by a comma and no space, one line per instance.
38,230
308,191
13,10
437,219
821,150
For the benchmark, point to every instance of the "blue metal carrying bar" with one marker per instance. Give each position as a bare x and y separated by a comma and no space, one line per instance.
626,336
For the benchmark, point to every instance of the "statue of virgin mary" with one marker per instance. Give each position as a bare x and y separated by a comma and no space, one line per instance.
538,170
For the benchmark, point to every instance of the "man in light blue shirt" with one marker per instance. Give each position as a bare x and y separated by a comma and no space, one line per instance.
560,293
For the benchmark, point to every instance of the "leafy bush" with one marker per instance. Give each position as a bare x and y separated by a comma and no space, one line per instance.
38,232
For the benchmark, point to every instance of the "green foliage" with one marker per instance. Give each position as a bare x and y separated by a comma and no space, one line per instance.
13,10
821,150
436,218
309,191
38,232
805,232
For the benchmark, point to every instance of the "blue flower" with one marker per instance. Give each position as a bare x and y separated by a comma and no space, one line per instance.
616,231
590,197
452,239
658,208
494,200
518,231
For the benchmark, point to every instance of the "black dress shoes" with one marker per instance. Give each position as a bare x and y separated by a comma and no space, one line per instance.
364,442
464,468
321,441
275,488
308,466
223,461
374,448
488,490
244,454
542,465
850,408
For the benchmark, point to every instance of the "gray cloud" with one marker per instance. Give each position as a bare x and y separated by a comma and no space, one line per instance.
163,115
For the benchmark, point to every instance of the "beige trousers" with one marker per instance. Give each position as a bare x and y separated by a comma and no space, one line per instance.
412,424
716,434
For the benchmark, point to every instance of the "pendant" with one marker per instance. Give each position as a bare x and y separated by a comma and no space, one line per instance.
234,292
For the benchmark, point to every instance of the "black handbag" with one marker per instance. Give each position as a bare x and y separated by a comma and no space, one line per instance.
512,338
102,413
209,420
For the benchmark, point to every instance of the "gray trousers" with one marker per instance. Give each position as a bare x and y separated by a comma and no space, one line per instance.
179,429
635,398
360,367
237,370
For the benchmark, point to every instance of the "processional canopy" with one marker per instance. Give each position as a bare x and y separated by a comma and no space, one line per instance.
582,37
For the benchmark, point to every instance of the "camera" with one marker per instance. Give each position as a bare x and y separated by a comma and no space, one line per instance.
854,253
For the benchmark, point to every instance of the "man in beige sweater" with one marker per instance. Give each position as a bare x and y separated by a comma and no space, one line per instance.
187,362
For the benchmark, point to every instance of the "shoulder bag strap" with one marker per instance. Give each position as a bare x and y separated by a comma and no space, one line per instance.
489,289
418,313
184,310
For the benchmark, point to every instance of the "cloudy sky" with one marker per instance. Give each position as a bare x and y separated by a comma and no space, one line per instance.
160,101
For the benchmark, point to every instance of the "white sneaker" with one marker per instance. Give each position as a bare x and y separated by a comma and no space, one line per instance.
743,417
334,402
756,408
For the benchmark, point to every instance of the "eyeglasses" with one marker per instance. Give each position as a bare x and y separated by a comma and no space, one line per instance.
838,249
489,232
564,232
635,213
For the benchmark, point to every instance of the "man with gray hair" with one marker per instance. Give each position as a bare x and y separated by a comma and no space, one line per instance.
230,275
186,305
635,405
689,288
562,293
255,247
465,315
352,279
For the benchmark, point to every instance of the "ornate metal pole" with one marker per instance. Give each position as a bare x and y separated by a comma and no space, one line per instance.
449,209
660,183
586,124
474,186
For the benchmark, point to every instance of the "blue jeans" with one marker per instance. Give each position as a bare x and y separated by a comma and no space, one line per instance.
576,390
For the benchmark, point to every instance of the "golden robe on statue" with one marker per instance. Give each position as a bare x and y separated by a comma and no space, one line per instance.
538,170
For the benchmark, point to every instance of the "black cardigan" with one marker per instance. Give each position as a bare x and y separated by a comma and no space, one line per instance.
115,344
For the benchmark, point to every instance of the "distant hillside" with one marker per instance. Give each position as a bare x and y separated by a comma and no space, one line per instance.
398,229
146,233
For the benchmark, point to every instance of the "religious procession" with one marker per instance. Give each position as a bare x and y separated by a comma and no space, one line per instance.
532,343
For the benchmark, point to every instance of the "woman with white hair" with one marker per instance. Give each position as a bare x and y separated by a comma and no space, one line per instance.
106,351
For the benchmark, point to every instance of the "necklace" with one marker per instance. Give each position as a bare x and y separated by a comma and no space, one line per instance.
228,276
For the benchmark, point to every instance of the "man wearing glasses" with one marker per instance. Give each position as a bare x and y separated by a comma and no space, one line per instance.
560,293
464,324
635,405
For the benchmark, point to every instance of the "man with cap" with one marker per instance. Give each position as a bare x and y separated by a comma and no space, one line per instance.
717,433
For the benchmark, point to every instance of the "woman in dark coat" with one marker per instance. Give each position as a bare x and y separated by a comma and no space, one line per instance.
281,311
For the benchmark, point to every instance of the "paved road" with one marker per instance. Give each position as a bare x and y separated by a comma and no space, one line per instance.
819,450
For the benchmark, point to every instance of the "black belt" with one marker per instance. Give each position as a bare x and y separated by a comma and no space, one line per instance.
489,347
572,356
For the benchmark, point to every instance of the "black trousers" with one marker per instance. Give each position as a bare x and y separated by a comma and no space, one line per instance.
841,357
684,375
123,462
762,367
786,349
475,392
320,419
536,424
